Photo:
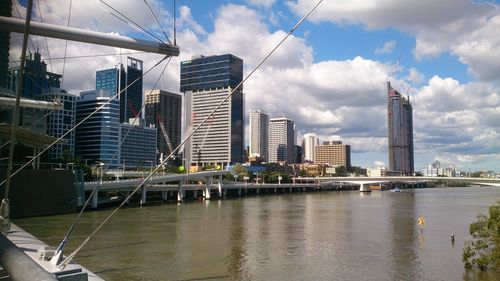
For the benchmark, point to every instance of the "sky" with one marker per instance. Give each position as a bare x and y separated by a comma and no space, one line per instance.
330,75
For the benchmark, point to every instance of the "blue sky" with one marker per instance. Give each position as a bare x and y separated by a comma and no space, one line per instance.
330,75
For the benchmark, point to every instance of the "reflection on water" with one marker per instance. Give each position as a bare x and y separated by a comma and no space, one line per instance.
404,236
302,236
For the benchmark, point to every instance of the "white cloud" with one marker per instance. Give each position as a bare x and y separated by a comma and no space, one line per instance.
186,20
264,3
386,49
415,76
464,28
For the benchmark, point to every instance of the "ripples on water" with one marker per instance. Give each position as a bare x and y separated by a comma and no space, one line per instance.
301,236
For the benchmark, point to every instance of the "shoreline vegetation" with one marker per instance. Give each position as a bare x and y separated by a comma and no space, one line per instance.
442,182
483,250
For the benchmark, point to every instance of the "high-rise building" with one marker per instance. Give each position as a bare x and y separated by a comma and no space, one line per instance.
138,144
309,146
131,98
36,77
112,79
5,11
98,138
36,81
126,82
206,82
333,153
60,122
165,107
400,132
281,140
259,134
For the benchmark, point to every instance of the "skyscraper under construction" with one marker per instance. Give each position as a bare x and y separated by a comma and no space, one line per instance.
400,132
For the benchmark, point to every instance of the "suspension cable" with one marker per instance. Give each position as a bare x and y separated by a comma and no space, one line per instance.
138,113
128,20
21,17
157,21
182,143
88,56
83,120
45,37
66,44
175,27
30,127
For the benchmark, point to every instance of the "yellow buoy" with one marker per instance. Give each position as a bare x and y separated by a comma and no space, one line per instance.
421,221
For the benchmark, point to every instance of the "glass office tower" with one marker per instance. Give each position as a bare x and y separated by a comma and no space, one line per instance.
206,81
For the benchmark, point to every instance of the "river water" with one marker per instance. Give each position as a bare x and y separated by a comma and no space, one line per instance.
334,235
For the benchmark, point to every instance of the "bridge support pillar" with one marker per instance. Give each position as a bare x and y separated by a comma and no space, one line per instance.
239,191
180,192
291,189
206,191
365,188
275,190
143,195
219,188
257,190
94,198
164,195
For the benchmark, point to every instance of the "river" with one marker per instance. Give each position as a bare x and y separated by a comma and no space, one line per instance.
336,235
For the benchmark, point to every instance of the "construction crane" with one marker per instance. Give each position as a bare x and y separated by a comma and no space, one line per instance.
132,109
164,131
165,135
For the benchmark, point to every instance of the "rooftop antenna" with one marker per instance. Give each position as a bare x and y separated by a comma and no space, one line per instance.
394,69
175,28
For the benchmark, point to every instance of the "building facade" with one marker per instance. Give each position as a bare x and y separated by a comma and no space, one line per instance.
37,81
127,82
112,79
36,77
281,140
206,82
131,98
259,134
138,144
5,11
59,122
309,147
98,138
400,132
164,107
334,153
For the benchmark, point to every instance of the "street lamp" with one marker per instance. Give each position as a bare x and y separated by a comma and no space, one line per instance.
101,165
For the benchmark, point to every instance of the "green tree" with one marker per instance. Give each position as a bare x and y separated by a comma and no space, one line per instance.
483,250
241,171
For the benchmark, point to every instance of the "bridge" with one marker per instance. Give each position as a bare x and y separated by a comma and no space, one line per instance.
365,182
178,187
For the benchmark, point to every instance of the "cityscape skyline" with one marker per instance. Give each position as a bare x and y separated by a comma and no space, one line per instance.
341,102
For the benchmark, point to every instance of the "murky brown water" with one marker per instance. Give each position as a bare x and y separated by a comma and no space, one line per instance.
301,236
